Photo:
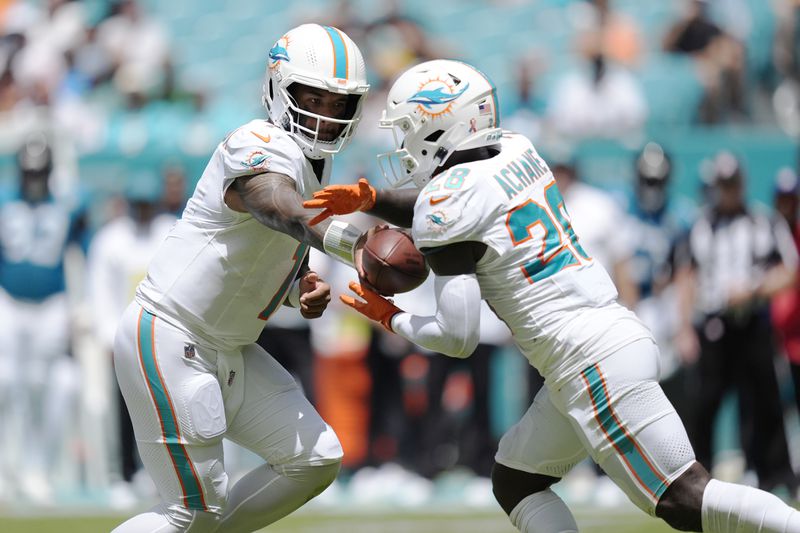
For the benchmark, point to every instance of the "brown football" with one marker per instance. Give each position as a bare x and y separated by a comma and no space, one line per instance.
392,264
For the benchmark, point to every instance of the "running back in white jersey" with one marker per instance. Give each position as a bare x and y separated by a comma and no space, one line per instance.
559,303
221,273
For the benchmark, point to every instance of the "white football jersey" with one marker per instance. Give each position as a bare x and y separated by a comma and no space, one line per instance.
559,303
220,274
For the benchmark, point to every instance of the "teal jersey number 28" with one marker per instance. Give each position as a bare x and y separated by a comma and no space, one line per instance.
560,247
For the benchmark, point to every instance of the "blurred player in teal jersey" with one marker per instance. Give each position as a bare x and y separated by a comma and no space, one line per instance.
38,377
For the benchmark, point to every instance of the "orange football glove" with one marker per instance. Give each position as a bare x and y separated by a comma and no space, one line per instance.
341,200
375,307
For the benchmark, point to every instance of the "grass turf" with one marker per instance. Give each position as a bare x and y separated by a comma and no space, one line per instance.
589,521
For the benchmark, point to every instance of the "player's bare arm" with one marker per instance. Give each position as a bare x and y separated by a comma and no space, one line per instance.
273,200
395,206
392,205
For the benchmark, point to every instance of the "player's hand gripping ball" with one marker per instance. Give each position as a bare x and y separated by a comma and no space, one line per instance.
391,263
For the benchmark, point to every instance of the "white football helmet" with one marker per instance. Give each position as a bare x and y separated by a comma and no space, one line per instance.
434,109
322,57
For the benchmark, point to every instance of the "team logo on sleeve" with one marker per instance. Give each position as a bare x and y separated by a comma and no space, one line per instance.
435,97
279,52
256,160
438,221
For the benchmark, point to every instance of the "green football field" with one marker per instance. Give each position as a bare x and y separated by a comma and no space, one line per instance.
597,521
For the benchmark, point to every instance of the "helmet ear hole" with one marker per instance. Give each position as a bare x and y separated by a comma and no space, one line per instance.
271,90
433,137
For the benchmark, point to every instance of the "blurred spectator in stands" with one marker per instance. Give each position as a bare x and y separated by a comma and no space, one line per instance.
175,193
529,107
10,92
739,260
117,262
15,24
92,60
395,41
200,131
345,18
786,304
786,59
621,37
598,219
658,228
39,378
602,99
786,51
46,35
148,60
720,60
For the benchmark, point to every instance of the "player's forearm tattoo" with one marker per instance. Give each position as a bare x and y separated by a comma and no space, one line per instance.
395,206
273,200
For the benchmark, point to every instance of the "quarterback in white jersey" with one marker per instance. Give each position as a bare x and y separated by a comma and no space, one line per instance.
185,352
493,225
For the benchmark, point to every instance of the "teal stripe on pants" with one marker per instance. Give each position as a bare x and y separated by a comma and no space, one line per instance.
651,480
192,492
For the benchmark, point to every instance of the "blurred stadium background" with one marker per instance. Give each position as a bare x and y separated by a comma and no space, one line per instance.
127,92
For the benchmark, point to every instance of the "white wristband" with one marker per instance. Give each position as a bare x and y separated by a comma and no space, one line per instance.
340,241
293,298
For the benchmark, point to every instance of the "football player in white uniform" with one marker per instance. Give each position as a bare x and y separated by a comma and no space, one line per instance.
185,353
493,225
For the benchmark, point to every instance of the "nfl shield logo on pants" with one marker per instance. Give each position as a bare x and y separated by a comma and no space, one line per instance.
188,351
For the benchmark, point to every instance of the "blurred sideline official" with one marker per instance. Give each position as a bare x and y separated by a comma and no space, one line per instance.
740,259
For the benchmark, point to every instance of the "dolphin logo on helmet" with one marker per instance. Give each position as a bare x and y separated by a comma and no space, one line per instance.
428,98
278,53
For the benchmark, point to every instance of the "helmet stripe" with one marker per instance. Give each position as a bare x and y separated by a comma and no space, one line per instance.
340,59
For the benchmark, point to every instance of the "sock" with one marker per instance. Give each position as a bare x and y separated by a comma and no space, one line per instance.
268,493
543,512
728,508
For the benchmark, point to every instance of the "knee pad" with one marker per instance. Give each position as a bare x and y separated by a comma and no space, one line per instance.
511,486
